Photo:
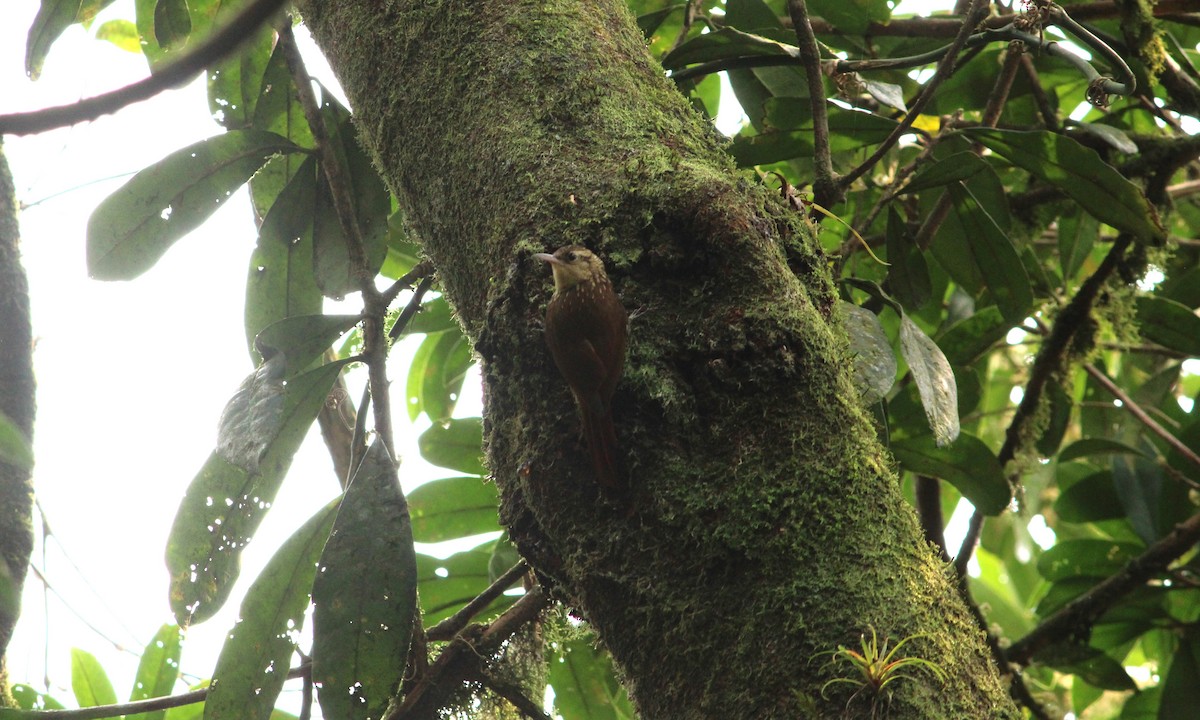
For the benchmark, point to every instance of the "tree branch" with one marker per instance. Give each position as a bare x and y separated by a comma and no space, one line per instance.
454,624
826,190
176,74
1076,619
1136,410
945,68
1048,363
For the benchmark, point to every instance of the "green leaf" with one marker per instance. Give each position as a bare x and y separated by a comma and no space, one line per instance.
158,670
1092,665
89,682
789,132
436,375
994,255
372,206
172,23
302,339
967,340
908,274
585,685
1089,447
445,586
255,659
365,595
456,444
234,83
52,18
121,33
934,379
1170,324
953,168
453,508
724,44
874,362
1080,173
14,446
1060,409
132,228
434,316
280,282
1077,234
226,502
1092,499
278,110
852,16
1180,691
29,698
1086,558
967,464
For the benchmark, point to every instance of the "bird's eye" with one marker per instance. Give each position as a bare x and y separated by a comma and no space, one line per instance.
571,257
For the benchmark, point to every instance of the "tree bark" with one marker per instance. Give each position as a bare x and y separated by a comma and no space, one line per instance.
766,525
17,404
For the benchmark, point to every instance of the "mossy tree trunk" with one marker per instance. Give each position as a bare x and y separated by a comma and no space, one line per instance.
767,525
17,405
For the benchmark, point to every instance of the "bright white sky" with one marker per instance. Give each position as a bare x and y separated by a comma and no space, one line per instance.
132,376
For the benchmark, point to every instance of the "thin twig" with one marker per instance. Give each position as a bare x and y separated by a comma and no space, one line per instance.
826,190
420,270
148,705
414,304
516,695
454,624
175,74
1136,410
945,68
463,657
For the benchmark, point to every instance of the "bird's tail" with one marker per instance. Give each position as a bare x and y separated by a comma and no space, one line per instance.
602,443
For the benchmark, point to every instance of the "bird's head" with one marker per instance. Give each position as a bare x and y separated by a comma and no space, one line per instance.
572,265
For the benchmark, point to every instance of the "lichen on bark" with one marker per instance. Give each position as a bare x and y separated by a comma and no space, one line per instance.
765,524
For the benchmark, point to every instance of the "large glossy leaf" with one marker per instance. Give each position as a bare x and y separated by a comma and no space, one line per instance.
278,110
966,340
436,375
724,44
365,595
280,283
226,501
934,379
89,682
456,444
908,273
372,205
453,508
444,586
994,255
302,339
953,168
172,23
585,685
874,361
255,659
132,228
1180,690
1080,173
852,16
158,670
234,83
52,18
1086,558
1092,499
789,134
1077,234
967,464
1170,324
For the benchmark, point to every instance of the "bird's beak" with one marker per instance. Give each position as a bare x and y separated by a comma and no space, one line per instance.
548,258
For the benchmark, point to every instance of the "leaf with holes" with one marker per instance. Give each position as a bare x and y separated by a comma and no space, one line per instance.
132,228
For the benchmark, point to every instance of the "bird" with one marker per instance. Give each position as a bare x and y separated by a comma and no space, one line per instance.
586,332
